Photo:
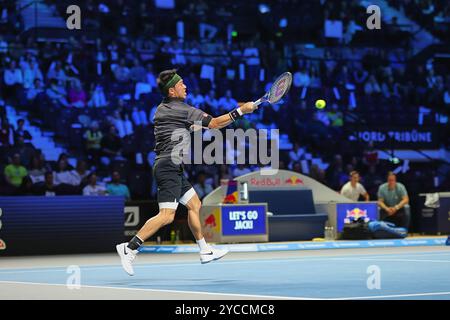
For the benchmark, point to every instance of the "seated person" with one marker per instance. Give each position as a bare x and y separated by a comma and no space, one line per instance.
93,189
15,172
46,188
111,146
353,189
115,188
392,198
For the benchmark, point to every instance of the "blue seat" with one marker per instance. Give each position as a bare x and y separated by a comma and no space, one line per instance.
294,215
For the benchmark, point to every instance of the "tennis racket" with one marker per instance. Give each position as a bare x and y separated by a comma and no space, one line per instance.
277,91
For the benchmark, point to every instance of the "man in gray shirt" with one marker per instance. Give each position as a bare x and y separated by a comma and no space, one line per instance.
172,115
392,198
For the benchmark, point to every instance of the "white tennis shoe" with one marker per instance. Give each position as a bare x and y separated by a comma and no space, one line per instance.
211,255
126,257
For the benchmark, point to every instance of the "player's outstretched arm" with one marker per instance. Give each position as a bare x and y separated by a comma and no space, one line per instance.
224,120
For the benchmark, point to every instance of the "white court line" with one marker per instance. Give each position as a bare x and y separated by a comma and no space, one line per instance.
167,291
392,260
242,295
396,296
231,262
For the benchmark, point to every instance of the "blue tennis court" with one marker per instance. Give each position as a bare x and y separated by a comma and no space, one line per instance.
407,273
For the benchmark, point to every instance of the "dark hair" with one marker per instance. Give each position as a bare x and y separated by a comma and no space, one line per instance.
390,173
163,78
353,173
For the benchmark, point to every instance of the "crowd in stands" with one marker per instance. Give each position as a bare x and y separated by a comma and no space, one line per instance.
107,86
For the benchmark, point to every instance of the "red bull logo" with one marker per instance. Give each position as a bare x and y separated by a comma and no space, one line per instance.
210,221
355,214
2,245
232,192
231,198
293,181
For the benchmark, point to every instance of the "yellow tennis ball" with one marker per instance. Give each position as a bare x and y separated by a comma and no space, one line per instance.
320,104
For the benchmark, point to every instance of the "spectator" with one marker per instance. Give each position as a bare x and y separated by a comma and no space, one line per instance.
196,99
335,116
240,170
35,89
295,155
31,72
15,172
227,103
21,132
25,150
3,45
392,198
37,170
224,172
137,72
13,79
372,86
6,134
93,189
98,98
139,117
121,72
150,77
115,188
80,174
353,189
57,93
93,138
63,175
48,188
211,102
26,187
301,79
111,146
77,96
202,187
56,72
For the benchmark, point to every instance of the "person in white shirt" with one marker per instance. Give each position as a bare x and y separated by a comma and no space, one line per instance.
93,189
63,175
31,72
80,173
13,75
353,189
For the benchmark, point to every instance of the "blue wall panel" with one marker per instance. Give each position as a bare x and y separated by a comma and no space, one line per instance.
62,224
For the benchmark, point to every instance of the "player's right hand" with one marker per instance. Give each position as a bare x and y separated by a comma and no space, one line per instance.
248,107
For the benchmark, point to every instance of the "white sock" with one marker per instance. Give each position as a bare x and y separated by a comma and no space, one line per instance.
202,244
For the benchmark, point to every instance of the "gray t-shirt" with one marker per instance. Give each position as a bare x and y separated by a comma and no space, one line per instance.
174,118
392,197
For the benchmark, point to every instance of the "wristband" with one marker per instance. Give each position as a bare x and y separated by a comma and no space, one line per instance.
236,114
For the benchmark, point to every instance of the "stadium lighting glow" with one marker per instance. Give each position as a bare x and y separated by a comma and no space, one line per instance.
264,8
283,23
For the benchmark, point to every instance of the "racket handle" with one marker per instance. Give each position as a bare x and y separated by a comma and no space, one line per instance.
256,103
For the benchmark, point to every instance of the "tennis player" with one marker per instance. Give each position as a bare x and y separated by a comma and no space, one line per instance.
173,187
